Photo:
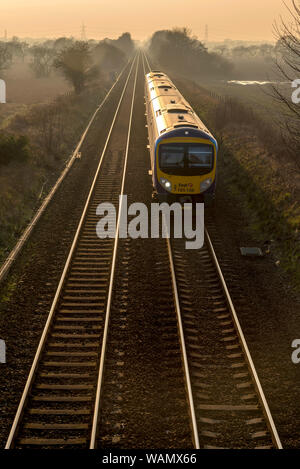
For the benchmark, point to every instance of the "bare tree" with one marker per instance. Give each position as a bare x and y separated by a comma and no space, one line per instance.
42,60
17,48
48,124
288,67
5,57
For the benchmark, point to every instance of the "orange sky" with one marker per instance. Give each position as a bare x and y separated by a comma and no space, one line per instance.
235,19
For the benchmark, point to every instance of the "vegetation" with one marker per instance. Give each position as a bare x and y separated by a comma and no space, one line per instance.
288,66
257,156
78,61
178,50
13,149
109,56
258,174
42,60
5,57
30,165
246,51
124,43
75,63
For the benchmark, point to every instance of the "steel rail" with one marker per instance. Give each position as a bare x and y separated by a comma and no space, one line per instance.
12,256
110,290
143,62
148,63
260,392
181,332
183,347
44,336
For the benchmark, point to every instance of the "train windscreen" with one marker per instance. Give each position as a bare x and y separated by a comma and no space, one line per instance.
189,159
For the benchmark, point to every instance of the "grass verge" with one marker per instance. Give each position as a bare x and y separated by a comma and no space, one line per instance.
255,175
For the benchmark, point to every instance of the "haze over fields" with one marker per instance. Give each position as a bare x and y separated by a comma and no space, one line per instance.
234,19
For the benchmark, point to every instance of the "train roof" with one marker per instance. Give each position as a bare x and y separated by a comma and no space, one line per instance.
171,111
155,74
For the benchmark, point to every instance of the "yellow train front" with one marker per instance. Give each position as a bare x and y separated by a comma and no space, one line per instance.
182,150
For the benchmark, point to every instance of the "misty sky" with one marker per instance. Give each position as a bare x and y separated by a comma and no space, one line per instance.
235,19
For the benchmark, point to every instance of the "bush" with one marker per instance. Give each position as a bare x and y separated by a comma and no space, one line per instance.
13,149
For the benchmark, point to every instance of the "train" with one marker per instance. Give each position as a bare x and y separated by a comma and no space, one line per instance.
183,152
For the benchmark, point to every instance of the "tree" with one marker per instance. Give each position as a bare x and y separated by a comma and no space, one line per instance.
108,56
266,50
63,43
177,49
42,60
240,51
288,66
5,56
222,49
17,48
125,44
76,65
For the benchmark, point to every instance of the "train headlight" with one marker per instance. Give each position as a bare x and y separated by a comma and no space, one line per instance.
166,184
204,185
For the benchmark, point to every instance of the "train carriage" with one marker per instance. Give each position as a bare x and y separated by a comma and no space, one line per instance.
183,152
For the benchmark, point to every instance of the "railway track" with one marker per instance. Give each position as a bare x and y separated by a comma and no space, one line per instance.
228,408
229,405
60,403
15,252
218,401
144,400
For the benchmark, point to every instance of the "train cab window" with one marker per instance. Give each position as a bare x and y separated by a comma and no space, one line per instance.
186,159
171,158
200,156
